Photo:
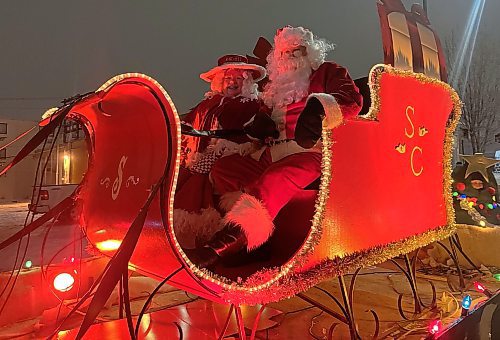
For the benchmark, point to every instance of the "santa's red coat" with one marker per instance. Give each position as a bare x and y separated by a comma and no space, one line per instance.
274,176
329,78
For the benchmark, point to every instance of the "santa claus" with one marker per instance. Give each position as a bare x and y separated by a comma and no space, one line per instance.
304,94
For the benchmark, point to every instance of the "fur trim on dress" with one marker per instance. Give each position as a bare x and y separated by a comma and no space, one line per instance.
228,199
192,229
333,114
253,218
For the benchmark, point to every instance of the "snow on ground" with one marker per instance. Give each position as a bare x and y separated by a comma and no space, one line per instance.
12,216
59,236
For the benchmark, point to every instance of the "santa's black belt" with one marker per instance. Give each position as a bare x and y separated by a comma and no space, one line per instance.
278,141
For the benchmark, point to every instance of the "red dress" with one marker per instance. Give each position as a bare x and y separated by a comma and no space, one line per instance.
195,218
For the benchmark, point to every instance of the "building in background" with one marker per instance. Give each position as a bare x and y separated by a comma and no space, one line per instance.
67,159
16,184
63,163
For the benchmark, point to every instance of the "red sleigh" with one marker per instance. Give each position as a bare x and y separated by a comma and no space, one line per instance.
384,188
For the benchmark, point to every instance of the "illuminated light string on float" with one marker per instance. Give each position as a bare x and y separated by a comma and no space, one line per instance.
435,327
474,214
478,208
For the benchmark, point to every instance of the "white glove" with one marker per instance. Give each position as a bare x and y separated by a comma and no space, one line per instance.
225,147
248,148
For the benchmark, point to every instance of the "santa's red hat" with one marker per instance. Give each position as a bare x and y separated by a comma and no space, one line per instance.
234,61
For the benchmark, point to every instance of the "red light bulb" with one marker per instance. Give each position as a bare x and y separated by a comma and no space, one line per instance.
479,287
435,327
482,289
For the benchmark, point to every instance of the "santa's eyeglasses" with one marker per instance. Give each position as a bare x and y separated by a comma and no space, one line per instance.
295,52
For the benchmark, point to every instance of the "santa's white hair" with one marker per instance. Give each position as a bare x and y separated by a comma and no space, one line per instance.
248,89
289,77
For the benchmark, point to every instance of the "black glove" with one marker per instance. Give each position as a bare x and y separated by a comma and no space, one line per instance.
310,124
187,129
262,127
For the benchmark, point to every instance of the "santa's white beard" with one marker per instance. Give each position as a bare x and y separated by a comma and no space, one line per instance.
288,81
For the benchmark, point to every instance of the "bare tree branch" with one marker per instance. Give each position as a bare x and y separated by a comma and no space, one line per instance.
480,93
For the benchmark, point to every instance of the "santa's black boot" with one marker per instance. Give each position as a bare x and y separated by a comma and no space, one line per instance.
226,242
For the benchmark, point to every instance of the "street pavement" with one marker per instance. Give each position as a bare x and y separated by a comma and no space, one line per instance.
62,241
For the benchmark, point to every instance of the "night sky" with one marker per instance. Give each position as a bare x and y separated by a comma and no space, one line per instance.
50,50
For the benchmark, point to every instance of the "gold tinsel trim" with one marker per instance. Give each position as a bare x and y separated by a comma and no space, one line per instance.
475,215
329,268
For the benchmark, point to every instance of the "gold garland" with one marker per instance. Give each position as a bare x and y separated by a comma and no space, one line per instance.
300,281
475,215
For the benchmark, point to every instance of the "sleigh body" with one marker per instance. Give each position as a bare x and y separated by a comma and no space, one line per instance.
384,188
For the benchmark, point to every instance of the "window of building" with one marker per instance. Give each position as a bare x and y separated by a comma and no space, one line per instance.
72,131
3,154
3,128
497,138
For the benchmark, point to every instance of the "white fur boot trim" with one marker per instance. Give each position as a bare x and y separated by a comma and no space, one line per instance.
253,218
192,229
228,199
333,114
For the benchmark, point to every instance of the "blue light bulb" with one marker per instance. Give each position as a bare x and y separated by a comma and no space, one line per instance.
466,301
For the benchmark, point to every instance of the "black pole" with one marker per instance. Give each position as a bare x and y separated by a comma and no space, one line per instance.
425,6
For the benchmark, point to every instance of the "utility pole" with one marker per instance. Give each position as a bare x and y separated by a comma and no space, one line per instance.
425,6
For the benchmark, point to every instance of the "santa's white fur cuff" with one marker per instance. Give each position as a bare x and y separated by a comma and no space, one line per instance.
333,114
254,219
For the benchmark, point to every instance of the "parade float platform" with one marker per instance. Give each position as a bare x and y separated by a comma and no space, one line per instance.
377,288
